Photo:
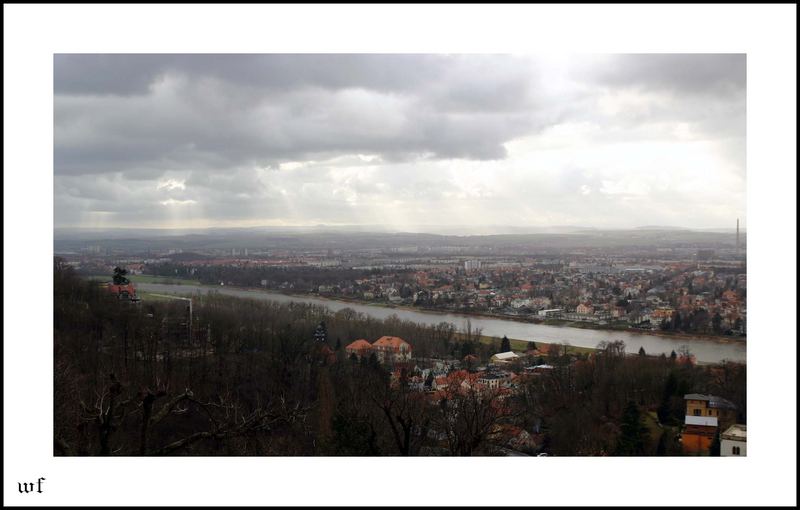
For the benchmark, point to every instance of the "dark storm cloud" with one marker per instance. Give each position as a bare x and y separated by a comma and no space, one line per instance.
133,74
117,113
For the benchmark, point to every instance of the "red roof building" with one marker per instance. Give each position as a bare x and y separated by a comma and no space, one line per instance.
361,348
392,348
127,291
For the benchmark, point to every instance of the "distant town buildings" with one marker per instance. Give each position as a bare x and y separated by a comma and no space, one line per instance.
472,265
697,288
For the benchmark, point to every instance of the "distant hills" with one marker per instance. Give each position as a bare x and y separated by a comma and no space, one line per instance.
661,227
320,237
88,234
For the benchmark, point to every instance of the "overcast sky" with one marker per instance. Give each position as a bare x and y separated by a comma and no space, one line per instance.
400,140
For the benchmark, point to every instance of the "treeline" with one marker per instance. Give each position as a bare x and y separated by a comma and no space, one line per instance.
240,377
699,321
246,377
614,403
301,278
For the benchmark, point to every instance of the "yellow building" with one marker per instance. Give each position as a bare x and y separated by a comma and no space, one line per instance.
704,414
709,405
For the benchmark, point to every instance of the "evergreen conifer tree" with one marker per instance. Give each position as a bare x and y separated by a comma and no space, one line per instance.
634,434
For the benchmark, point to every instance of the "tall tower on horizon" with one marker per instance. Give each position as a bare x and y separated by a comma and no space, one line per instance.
737,238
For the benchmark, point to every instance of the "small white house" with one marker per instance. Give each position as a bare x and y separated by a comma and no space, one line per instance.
552,312
733,442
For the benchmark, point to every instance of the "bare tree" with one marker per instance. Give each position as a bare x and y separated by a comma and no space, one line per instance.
467,414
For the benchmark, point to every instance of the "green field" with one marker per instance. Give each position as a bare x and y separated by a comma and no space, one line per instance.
147,296
148,278
522,345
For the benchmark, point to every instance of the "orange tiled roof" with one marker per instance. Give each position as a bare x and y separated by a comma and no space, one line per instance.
390,341
359,345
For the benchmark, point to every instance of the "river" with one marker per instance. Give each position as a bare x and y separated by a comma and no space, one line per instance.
705,350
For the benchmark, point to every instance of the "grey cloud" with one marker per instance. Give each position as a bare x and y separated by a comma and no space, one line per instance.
684,73
401,107
223,125
705,92
135,73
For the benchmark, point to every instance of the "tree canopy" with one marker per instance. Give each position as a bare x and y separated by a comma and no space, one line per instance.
634,434
119,276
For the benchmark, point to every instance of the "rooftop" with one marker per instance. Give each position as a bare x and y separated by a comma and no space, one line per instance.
359,344
506,355
713,400
737,432
390,341
495,375
542,367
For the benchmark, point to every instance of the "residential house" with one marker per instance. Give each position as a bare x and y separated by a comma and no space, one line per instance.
704,413
361,348
124,292
553,312
135,269
493,380
733,442
710,405
662,313
698,434
392,349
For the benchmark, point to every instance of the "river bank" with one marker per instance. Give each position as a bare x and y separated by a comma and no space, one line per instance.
677,335
705,350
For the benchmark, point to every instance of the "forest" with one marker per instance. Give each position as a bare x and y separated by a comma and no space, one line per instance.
230,376
301,278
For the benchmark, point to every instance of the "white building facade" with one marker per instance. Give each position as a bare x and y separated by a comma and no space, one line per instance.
733,442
